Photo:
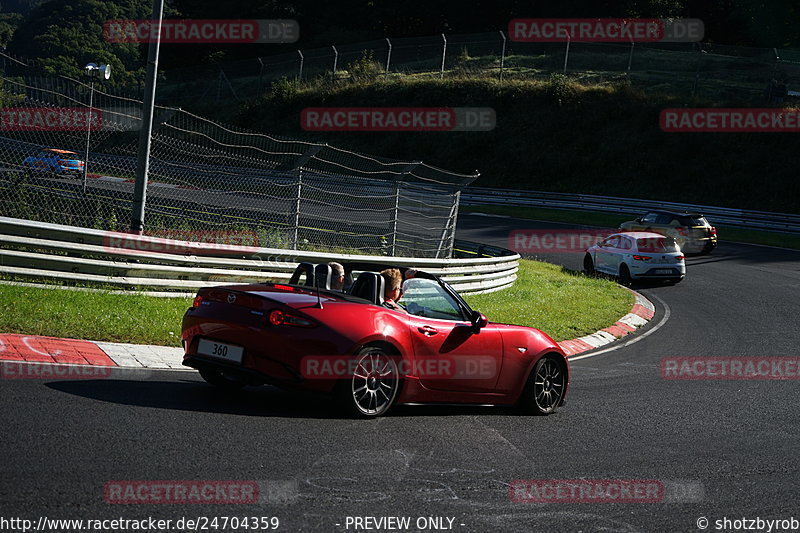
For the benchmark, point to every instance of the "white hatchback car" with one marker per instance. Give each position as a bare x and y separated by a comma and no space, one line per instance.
637,255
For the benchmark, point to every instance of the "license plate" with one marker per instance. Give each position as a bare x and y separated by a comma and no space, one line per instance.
663,271
218,350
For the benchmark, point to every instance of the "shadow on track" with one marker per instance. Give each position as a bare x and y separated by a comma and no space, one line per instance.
265,401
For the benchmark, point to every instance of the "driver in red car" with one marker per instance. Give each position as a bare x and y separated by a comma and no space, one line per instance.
393,291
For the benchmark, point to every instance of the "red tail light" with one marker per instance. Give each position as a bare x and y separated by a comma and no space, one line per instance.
197,301
642,257
683,231
713,230
280,318
679,258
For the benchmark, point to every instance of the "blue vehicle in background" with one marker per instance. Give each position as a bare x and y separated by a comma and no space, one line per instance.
52,160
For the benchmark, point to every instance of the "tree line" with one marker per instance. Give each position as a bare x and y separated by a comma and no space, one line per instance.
63,35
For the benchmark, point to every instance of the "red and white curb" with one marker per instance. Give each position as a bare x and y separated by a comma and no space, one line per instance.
641,313
33,349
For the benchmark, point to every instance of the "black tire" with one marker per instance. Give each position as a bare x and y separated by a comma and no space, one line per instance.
221,380
625,275
545,388
588,265
374,386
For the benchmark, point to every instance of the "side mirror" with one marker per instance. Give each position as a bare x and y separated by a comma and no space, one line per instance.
479,320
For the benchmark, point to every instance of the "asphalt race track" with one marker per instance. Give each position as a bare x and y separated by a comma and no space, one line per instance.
722,448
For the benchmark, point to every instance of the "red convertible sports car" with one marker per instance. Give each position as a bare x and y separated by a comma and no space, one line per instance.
347,343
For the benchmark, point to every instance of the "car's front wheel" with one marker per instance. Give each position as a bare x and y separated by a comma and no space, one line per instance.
220,379
588,265
545,388
373,388
625,275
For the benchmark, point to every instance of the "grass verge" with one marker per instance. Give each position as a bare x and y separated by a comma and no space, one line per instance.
594,218
99,316
561,303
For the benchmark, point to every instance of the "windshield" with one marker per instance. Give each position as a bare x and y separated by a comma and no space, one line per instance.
425,297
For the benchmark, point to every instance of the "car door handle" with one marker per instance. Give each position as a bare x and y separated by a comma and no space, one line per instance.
428,330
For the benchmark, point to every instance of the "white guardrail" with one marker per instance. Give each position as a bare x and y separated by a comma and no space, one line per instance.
47,252
785,222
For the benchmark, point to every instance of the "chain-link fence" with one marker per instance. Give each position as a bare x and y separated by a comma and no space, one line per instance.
209,177
699,69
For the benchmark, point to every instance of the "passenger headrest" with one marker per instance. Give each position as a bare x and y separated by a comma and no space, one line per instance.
369,285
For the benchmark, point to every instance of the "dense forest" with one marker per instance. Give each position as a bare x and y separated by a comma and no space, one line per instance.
62,35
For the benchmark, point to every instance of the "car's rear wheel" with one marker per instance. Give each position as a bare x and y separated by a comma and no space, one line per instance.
625,275
545,388
588,265
372,389
220,379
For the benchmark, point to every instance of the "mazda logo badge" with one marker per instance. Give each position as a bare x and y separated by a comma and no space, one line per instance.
231,298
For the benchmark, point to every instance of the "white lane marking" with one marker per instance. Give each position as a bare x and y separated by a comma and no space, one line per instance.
56,353
667,313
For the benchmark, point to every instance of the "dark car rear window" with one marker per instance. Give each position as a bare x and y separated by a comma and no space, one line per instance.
656,244
691,220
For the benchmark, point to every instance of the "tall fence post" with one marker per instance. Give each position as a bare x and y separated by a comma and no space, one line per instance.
388,56
296,238
300,75
396,216
502,54
449,231
444,54
697,68
630,56
335,61
260,74
298,166
566,54
145,134
777,60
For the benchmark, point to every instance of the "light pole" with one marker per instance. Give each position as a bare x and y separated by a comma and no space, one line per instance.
94,72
